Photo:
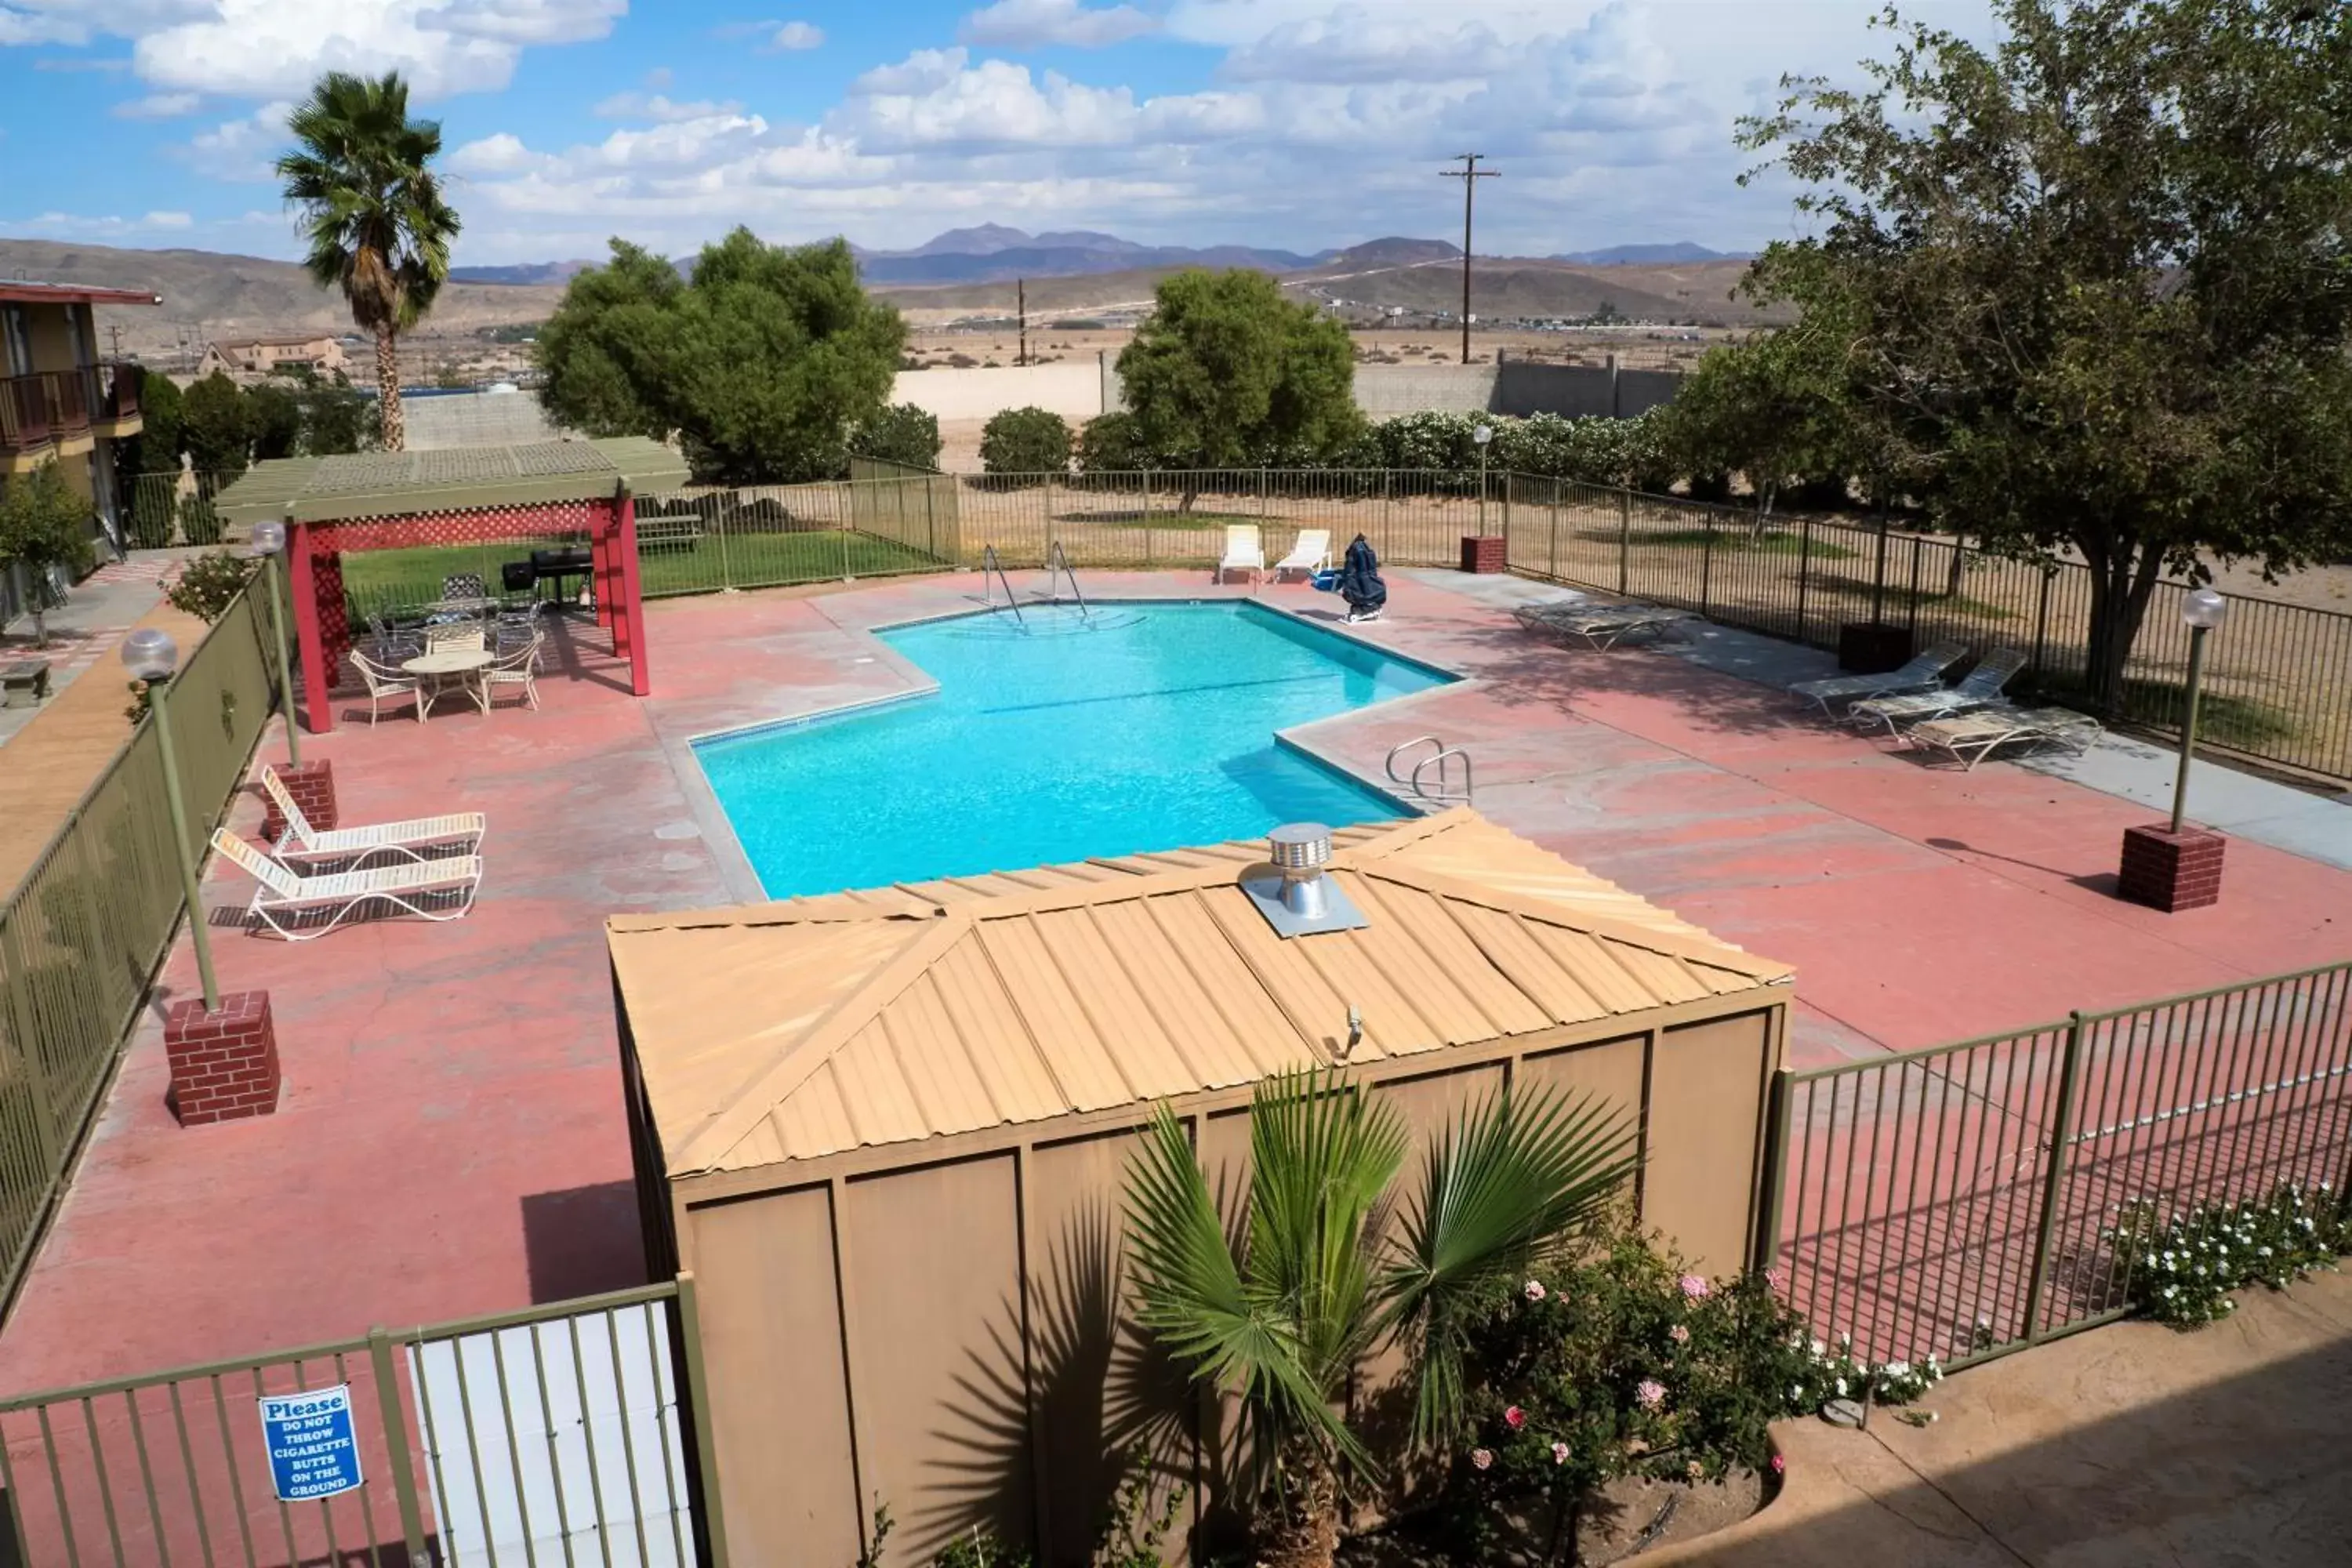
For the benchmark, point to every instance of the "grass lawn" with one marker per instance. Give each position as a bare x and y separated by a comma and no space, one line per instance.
1168,520
381,580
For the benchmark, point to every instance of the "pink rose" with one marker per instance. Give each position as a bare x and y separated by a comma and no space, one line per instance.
1559,1453
1695,1286
1694,1470
1679,1334
1482,1457
1778,1464
1650,1393
1535,1291
1776,1277
1515,1417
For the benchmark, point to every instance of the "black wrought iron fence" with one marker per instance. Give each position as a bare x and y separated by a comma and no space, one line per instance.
1962,1200
565,1433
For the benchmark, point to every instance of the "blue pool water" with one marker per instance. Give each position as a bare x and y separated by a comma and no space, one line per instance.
1151,729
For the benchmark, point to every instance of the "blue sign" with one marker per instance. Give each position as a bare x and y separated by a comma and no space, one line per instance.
312,1451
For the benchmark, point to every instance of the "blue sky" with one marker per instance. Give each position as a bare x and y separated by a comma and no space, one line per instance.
1299,124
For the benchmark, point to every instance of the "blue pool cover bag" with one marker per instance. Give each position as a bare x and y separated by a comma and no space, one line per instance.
1327,582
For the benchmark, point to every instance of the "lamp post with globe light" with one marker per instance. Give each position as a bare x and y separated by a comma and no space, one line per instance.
151,655
2204,610
266,543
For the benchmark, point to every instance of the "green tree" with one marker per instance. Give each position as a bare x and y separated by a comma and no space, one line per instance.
147,465
1327,1264
44,525
762,362
1026,441
216,423
1226,371
373,213
273,414
901,433
2098,282
335,418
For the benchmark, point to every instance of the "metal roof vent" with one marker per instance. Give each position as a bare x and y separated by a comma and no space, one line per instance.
1300,900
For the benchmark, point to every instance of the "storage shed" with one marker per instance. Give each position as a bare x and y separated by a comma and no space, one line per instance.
887,1131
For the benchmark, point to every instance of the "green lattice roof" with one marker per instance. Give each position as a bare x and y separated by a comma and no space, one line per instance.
455,478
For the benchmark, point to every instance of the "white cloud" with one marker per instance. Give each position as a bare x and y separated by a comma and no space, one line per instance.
503,153
1033,24
158,106
242,148
1350,45
661,79
656,107
80,224
793,37
169,220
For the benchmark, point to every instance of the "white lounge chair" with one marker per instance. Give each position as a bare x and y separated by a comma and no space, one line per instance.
383,682
1243,553
1980,687
412,837
1970,738
1595,625
285,896
1312,553
1921,673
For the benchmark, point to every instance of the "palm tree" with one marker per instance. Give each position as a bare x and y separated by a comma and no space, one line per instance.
1283,1313
372,213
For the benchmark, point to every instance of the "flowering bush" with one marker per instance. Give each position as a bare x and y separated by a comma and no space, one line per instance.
1627,1363
2180,1268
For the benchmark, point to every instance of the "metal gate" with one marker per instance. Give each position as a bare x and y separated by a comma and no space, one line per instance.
561,1434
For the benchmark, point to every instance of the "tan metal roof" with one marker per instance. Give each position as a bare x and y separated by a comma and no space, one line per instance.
790,1030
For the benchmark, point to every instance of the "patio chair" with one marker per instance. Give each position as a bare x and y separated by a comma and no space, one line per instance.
1970,738
464,585
411,837
519,667
286,897
514,629
383,681
1597,626
1924,672
1311,554
466,634
1980,687
1243,553
393,644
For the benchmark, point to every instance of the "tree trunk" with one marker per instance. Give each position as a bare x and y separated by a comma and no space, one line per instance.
2122,581
387,391
1306,1534
1960,564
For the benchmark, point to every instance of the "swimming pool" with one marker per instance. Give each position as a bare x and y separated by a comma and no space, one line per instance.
1150,730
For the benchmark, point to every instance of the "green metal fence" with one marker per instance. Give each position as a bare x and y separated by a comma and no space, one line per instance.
82,934
1956,1202
563,1433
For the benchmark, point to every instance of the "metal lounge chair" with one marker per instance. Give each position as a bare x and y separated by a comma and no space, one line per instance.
285,896
1924,672
1979,687
410,837
1597,626
1243,553
516,666
1311,554
382,682
1970,738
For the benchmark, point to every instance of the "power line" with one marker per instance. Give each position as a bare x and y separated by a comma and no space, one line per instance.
1470,173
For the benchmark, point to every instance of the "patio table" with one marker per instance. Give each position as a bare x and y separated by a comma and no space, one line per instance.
444,668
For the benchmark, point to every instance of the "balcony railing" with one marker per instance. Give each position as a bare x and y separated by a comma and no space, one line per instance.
37,409
114,390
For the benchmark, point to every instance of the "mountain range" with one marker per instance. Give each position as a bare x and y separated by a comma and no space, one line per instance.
1680,250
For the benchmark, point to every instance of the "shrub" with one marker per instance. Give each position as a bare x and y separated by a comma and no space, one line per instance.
1026,441
2182,1267
901,433
153,511
1111,444
199,523
210,584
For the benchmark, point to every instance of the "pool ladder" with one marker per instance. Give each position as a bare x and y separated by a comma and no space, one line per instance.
1058,568
1442,759
990,566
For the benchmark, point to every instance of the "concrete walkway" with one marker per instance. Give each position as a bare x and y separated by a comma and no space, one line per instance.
2121,1446
2240,803
86,628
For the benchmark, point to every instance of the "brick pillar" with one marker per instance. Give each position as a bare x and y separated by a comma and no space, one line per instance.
1484,552
313,785
2171,871
223,1063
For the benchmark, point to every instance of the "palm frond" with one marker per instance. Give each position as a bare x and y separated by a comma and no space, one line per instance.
1511,1181
1190,1296
375,222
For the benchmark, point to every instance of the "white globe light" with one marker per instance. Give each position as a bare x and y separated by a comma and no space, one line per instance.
2205,609
1484,434
150,654
267,539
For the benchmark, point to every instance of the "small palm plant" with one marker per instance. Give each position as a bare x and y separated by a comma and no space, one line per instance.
373,213
1325,1269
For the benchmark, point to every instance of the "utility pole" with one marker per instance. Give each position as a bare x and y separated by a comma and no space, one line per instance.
1020,305
1470,173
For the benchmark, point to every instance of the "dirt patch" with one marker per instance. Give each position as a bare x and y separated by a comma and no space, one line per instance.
1631,1516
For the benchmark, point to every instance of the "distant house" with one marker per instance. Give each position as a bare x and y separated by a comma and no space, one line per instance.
321,351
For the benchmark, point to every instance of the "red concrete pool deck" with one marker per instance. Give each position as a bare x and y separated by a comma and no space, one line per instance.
450,1139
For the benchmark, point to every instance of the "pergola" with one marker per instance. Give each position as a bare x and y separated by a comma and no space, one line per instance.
464,495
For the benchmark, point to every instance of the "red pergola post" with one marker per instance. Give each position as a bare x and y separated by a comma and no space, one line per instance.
319,716
600,562
633,599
